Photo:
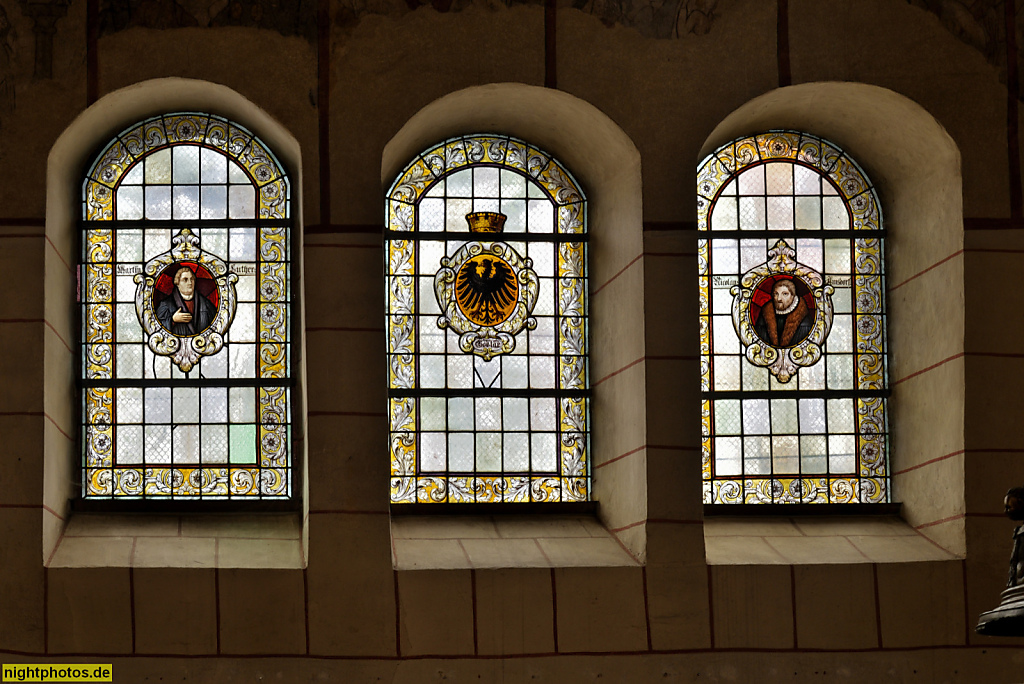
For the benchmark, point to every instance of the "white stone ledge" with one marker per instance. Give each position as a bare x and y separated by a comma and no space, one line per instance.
249,540
758,540
435,542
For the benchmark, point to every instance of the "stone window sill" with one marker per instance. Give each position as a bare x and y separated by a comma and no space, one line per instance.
181,541
805,540
507,541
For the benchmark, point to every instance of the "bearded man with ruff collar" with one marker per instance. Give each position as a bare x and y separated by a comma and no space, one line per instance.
785,320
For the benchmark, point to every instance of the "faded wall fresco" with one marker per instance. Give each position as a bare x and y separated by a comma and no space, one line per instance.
287,17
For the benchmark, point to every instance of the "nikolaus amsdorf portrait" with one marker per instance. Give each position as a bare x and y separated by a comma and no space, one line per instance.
186,298
782,310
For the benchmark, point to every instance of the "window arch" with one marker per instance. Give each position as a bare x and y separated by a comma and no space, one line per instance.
792,325
487,339
185,298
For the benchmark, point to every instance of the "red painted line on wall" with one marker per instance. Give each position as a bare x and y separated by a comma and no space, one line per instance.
625,548
782,43
878,604
614,373
59,255
618,458
935,265
627,527
1012,97
92,61
47,416
931,367
55,514
647,609
637,258
62,340
951,518
929,462
550,44
554,609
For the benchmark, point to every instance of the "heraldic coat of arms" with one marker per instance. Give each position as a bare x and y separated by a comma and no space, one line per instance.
486,290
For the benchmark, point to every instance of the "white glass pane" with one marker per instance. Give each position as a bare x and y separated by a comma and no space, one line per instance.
158,167
431,371
158,203
488,452
516,452
812,416
842,454
460,183
186,444
751,181
785,454
236,174
813,454
834,214
512,184
460,372
130,444
725,215
186,201
780,213
757,456
516,414
431,214
779,178
727,372
129,361
725,339
544,452
432,413
214,202
185,164
727,417
515,211
241,202
242,244
540,216
840,415
488,413
460,451
242,361
784,416
455,214
807,213
433,451
129,202
724,257
806,181
158,444
158,404
186,404
542,414
129,405
214,404
243,327
752,213
242,404
755,417
485,182
215,443
129,245
542,372
728,459
461,414
214,166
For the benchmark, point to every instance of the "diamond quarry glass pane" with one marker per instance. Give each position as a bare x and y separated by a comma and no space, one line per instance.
812,434
213,166
516,451
461,454
432,413
727,417
158,167
215,444
129,405
728,456
544,452
433,451
130,202
130,444
185,164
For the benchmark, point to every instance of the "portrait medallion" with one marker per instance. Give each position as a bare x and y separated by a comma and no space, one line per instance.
782,313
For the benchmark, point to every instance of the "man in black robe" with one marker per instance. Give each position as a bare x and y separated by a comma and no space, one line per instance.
185,311
785,321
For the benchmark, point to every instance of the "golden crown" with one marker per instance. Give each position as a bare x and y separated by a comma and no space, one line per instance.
486,222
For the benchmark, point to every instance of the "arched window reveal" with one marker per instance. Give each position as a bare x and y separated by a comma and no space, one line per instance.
792,325
185,298
486,318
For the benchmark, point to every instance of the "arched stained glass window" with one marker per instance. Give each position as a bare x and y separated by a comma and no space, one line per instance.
792,327
487,326
185,297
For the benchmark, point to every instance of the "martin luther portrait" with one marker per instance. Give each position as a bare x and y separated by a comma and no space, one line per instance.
785,318
184,310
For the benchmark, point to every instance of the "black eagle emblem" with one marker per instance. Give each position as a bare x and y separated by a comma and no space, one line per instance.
486,290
